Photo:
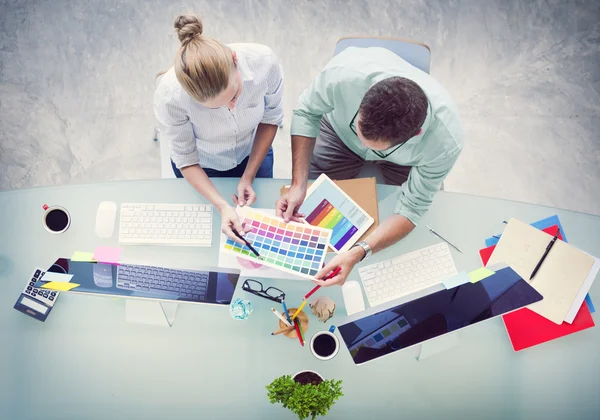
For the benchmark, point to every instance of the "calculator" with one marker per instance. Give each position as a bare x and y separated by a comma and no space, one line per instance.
34,301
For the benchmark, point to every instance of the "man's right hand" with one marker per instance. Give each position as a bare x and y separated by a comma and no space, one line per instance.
288,205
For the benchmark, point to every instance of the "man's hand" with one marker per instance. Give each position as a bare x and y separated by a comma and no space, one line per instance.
230,221
346,260
288,205
246,195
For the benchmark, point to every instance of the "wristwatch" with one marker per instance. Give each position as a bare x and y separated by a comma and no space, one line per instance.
366,247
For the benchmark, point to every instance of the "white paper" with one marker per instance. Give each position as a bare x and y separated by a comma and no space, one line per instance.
250,268
559,278
585,288
58,277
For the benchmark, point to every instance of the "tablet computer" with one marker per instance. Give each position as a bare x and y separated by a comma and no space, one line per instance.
327,206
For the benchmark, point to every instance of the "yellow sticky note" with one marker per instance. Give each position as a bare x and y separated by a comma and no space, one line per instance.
480,274
83,256
62,287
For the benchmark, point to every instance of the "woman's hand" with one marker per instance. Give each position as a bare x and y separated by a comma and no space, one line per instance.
346,261
245,193
230,221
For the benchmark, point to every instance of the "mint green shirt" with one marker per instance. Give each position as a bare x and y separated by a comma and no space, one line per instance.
338,91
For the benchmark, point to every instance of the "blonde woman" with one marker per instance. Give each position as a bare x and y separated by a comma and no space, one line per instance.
219,108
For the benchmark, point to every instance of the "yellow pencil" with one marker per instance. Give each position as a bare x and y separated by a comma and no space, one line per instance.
299,310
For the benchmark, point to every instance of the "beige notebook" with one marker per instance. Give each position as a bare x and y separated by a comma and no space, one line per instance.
560,276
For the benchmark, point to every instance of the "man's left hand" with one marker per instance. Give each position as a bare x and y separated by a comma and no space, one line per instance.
246,195
346,261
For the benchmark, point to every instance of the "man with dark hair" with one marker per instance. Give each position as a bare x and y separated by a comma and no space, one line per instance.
368,104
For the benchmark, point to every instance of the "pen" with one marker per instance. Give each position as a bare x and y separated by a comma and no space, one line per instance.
287,314
278,315
248,244
299,310
330,276
548,248
443,239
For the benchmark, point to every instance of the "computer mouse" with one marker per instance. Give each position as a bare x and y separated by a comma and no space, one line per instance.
353,297
103,275
105,219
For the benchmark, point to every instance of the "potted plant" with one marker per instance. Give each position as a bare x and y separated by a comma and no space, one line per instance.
306,394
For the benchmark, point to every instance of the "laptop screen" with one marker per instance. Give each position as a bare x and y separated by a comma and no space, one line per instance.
140,281
439,313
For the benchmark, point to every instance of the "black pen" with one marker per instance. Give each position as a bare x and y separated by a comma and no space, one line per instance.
548,248
248,244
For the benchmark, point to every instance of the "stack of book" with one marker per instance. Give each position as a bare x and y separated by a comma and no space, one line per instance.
562,273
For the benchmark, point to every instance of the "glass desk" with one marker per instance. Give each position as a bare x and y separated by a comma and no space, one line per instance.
86,362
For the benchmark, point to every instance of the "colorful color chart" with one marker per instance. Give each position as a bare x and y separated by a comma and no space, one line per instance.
328,207
292,247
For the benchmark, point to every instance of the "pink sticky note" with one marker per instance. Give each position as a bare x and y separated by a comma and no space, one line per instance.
107,254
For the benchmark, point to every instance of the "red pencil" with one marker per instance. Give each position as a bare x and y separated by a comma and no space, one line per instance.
298,334
330,276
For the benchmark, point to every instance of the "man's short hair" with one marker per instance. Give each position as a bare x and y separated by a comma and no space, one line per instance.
393,110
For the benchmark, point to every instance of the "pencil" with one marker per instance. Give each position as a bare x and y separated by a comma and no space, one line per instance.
300,329
299,310
283,330
278,315
299,334
330,276
248,244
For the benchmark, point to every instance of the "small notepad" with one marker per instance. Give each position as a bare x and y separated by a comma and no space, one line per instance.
559,278
56,277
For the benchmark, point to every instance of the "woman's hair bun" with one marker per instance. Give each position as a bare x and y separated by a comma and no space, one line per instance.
188,27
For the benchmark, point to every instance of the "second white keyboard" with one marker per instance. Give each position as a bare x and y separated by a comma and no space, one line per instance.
408,273
165,224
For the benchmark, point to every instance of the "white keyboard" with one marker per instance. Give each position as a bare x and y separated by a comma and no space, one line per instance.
408,273
165,224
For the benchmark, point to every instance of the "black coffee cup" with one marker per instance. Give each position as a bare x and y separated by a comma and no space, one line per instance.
56,219
324,345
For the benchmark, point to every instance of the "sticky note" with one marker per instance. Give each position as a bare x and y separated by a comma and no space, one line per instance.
107,254
480,274
56,277
83,256
62,287
456,280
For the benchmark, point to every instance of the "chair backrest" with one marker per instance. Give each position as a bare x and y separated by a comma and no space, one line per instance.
166,170
416,53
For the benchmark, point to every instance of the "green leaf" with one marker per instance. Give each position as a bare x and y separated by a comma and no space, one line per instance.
304,400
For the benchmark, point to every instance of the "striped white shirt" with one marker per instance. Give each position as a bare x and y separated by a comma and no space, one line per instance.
221,139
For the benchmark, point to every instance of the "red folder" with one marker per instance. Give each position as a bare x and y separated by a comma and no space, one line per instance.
526,328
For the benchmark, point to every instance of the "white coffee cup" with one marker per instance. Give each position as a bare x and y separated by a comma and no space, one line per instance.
324,345
56,219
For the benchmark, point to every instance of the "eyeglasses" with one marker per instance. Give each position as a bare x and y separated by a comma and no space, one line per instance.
256,288
381,155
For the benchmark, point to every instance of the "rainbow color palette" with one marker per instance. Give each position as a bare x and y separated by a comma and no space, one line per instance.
292,247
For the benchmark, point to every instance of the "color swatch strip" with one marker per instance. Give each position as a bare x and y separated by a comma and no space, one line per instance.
328,217
292,247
